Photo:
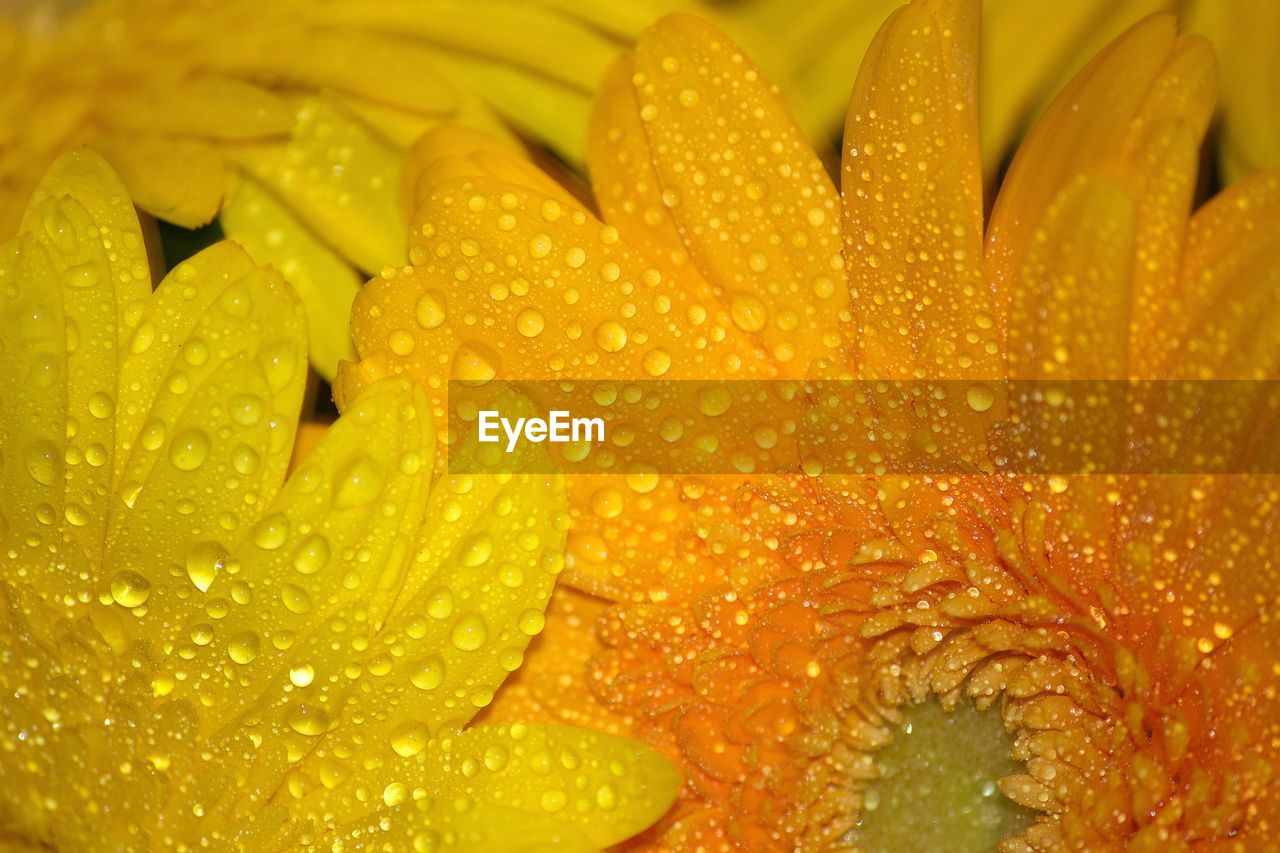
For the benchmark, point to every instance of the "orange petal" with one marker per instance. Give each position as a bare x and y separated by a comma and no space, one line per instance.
1225,309
754,204
912,185
1135,115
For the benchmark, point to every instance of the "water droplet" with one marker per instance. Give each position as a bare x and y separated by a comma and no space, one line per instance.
271,532
243,647
475,362
611,336
246,409
101,405
532,622
477,550
530,322
44,463
431,309
979,398
280,362
714,401
130,589
469,633
312,555
308,720
657,362
204,561
748,312
295,598
409,738
429,673
302,674
358,484
189,449
440,603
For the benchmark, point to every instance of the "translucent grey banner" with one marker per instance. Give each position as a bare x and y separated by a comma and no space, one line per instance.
864,427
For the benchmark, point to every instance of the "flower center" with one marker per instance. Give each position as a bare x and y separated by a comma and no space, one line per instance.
937,785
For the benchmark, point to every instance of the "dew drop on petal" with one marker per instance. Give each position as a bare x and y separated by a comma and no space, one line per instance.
429,673
189,449
469,633
312,555
301,674
130,589
358,484
308,720
409,738
243,647
204,561
477,550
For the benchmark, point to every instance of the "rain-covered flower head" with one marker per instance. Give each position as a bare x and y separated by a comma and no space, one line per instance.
195,651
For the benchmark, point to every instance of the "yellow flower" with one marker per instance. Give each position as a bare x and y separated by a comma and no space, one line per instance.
196,653
288,120
770,635
1030,49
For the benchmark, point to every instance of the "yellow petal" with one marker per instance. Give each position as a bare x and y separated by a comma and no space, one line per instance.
550,686
292,596
540,107
821,48
325,283
338,178
437,824
209,106
626,183
457,151
1225,311
1029,49
1135,115
33,412
175,178
396,71
607,788
570,309
912,189
81,216
752,201
214,377
1069,316
526,36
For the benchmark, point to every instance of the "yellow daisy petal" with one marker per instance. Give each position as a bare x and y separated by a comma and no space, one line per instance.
338,178
760,216
208,105
605,787
217,361
912,187
271,235
1224,311
437,824
81,218
312,56
456,151
225,665
283,598
33,407
1136,116
1069,316
176,178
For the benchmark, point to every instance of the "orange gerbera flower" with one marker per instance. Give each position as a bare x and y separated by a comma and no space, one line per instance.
772,634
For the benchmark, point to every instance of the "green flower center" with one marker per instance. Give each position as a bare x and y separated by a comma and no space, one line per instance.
937,786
